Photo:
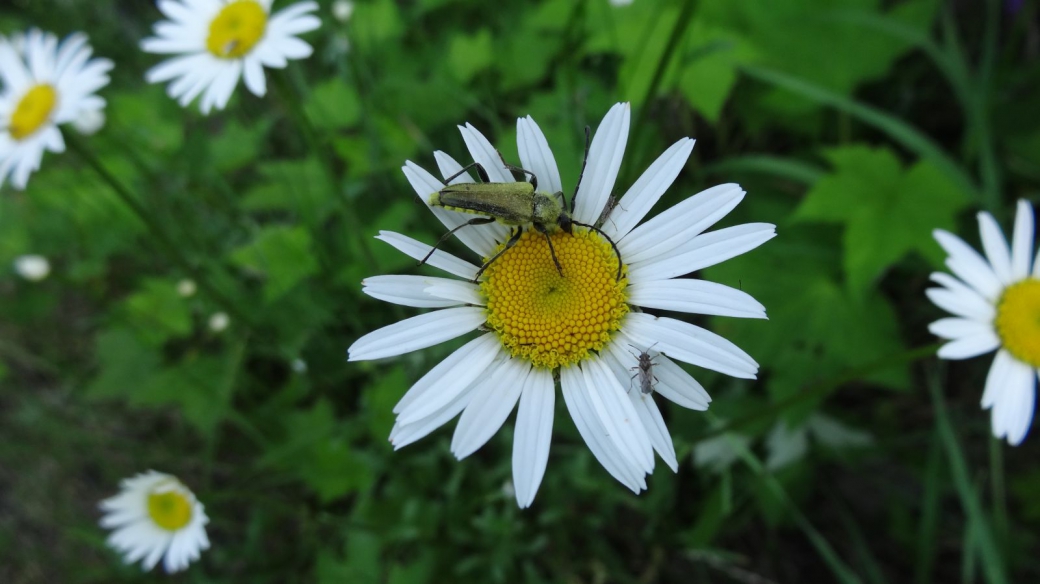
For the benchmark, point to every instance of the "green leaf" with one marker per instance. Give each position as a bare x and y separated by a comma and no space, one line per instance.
293,186
237,145
158,312
374,23
468,55
887,212
124,363
280,254
333,105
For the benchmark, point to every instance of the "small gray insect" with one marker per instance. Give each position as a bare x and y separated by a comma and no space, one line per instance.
644,371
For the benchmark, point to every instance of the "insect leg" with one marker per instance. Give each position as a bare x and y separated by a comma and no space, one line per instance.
612,244
474,221
480,173
512,241
588,143
534,179
552,250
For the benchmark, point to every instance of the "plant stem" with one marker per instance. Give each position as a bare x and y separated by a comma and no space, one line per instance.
171,249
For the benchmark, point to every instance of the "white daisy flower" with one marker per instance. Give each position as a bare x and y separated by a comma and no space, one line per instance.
995,301
218,41
33,268
156,516
45,83
584,327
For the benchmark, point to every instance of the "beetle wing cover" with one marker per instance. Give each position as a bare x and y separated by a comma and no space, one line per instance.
507,202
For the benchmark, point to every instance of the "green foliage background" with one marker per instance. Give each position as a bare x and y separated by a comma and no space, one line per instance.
856,126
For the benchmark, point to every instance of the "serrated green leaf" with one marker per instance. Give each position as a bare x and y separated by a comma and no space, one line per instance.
887,212
157,312
468,55
236,145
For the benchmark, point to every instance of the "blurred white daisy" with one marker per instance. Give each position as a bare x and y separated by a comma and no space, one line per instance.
33,268
995,301
45,83
219,321
218,41
156,516
583,327
342,10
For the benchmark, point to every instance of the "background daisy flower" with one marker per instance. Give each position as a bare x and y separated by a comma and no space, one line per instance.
218,41
995,301
585,327
45,83
155,517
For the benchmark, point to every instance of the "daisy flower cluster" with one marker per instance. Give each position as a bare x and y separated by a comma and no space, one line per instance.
44,83
574,322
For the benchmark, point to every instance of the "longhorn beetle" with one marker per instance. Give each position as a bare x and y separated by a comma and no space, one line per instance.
516,204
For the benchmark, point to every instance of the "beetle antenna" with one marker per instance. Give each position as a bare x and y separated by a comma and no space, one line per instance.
585,161
612,244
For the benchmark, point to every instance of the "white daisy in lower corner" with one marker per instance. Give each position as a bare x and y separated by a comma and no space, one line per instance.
578,323
45,83
155,517
995,301
219,41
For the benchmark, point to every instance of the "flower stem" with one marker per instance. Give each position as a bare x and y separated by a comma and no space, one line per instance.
169,247
292,98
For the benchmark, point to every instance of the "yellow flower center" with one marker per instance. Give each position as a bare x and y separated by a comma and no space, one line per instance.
237,29
33,111
1018,321
170,510
552,320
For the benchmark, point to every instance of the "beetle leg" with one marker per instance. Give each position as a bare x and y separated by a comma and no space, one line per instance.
613,244
512,241
474,221
534,179
552,250
480,173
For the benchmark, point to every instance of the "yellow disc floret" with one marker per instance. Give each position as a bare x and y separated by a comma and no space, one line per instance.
237,29
33,111
170,510
1018,321
549,319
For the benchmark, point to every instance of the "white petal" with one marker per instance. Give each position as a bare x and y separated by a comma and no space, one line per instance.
957,298
444,382
651,418
255,80
593,431
618,415
697,297
536,156
996,247
968,265
460,292
1013,409
959,328
417,332
440,259
968,347
681,223
485,154
533,435
691,344
646,191
997,377
425,185
492,403
1022,241
403,435
407,290
605,155
703,251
